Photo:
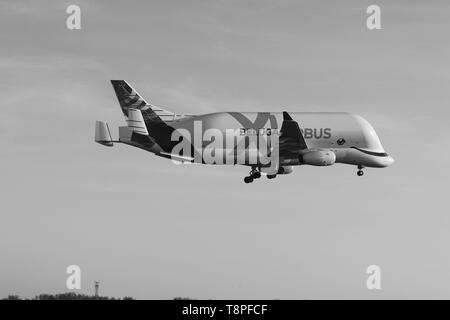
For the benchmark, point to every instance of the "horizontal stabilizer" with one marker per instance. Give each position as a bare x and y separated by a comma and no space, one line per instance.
102,134
175,157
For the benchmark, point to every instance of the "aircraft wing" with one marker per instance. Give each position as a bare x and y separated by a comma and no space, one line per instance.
291,138
176,157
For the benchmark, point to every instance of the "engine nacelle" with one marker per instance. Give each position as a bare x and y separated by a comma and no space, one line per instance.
285,170
318,158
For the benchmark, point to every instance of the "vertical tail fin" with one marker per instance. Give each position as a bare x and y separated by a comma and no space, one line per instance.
129,98
136,122
136,110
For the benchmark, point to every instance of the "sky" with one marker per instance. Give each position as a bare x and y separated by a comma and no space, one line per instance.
150,229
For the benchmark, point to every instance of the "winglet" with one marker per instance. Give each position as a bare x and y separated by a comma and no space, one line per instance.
286,116
291,136
102,134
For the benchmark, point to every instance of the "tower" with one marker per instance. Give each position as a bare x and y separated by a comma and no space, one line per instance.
96,284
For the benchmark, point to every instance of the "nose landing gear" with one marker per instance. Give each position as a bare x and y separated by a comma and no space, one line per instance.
254,174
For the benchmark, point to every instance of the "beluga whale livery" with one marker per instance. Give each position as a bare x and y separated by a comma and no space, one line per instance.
269,143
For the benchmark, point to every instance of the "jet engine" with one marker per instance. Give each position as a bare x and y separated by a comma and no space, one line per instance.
318,158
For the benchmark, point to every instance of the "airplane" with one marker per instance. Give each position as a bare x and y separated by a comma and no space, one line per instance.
270,143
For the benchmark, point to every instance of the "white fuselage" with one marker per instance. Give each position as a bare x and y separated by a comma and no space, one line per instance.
350,137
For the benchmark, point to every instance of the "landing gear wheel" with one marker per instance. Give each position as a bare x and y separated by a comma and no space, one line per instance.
248,179
360,173
256,175
271,176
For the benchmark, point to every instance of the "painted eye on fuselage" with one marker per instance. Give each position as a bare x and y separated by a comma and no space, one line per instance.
341,141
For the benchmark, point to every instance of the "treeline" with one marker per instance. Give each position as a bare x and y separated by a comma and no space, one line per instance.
66,296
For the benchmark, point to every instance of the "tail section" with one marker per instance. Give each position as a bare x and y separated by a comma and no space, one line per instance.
142,117
136,122
129,98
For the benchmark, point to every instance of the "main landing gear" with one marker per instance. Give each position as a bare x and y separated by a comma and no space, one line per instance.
254,174
360,172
